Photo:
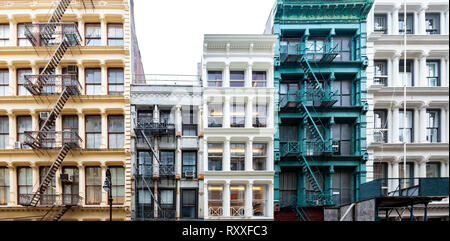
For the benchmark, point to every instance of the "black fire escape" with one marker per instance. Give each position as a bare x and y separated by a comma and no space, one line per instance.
148,130
58,38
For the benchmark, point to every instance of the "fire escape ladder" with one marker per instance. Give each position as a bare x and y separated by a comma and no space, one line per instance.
56,58
151,193
304,64
148,142
301,214
311,123
61,211
311,178
50,121
59,11
50,174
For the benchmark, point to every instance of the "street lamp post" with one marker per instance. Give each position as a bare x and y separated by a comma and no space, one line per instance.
108,187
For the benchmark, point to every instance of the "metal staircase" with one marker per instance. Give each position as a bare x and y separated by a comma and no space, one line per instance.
62,36
146,130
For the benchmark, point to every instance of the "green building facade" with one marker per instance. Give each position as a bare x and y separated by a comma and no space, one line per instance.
320,74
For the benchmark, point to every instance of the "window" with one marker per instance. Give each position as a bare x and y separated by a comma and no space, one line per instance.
215,115
145,163
342,186
237,79
409,23
342,132
21,38
23,124
189,163
259,200
93,34
237,156
115,132
433,126
433,169
380,77
289,94
432,23
215,200
4,132
344,95
21,90
259,156
409,72
380,23
288,138
166,116
48,197
214,78
71,188
118,184
315,47
409,174
409,126
4,185
4,82
4,35
93,131
167,159
24,184
215,152
288,189
70,128
115,81
237,115
115,34
93,185
167,197
343,47
93,81
433,73
145,116
260,115
145,197
188,203
380,133
189,120
237,200
259,79
380,170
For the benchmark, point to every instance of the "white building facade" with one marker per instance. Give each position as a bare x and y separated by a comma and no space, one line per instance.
238,117
427,76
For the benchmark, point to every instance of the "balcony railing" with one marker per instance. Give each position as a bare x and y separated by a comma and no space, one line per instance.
380,80
167,170
215,211
52,84
48,200
166,213
308,147
291,51
238,211
158,128
313,198
288,198
50,34
52,139
405,187
380,135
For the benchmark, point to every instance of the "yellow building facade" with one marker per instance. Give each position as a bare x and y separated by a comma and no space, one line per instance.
91,131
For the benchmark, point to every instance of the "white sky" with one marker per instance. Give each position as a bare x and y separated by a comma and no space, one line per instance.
170,32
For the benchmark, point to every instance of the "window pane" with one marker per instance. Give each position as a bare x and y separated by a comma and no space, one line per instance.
215,151
166,197
115,124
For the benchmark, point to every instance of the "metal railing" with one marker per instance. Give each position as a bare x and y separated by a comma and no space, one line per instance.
215,211
50,34
166,213
380,135
156,127
237,211
380,80
52,200
53,84
313,198
52,139
309,147
166,170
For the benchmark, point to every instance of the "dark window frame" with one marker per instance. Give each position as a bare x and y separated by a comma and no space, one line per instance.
234,82
190,166
380,78
436,17
217,82
437,129
189,205
382,29
411,129
409,19
220,155
116,84
87,38
438,71
114,38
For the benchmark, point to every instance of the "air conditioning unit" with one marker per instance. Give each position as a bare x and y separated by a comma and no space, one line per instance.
17,145
72,69
64,177
44,115
189,174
